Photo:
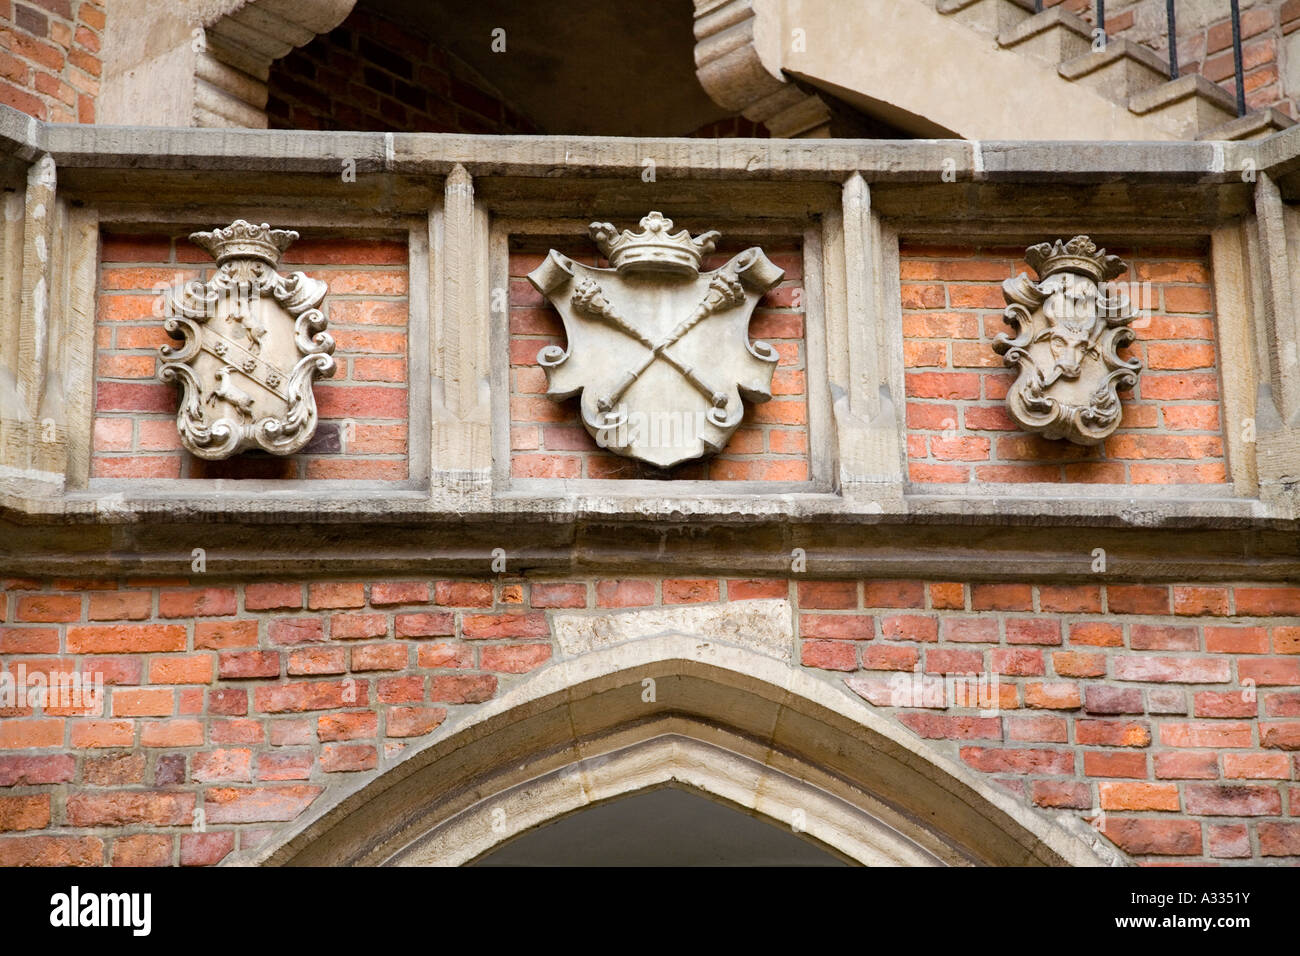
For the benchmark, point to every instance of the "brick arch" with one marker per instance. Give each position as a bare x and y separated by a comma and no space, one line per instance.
730,722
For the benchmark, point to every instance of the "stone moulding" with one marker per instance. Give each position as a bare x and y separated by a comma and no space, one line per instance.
1068,328
660,352
253,343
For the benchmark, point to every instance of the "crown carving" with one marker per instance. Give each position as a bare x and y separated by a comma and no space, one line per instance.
245,240
655,248
1080,255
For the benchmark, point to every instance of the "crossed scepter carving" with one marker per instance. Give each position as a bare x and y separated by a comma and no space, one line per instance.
725,292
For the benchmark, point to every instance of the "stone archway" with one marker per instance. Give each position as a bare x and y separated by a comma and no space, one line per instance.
730,722
202,62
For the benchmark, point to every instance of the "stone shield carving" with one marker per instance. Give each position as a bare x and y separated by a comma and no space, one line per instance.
1069,326
253,342
659,351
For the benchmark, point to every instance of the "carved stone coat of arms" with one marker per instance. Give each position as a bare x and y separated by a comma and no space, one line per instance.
253,342
1068,328
659,351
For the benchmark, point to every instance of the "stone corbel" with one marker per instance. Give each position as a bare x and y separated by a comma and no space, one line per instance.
203,62
729,62
1068,330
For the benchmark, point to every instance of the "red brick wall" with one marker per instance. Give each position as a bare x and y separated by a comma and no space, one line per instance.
958,428
1173,710
1207,48
374,74
50,57
362,433
547,438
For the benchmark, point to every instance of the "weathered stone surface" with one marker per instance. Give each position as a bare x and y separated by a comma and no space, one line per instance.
765,626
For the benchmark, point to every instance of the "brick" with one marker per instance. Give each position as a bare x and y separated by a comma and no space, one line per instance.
23,734
1114,763
1221,800
1055,696
125,808
1282,735
1036,761
434,624
228,702
233,765
1186,670
16,771
690,591
49,608
87,734
1137,599
323,596
970,629
180,732
1070,598
1229,841
206,849
516,659
400,690
197,602
219,635
257,804
120,606
1001,597
1042,728
1208,734
1108,699
1266,602
1236,640
948,595
1277,838
348,758
399,592
414,721
1160,637
1060,794
284,765
295,630
191,669
462,689
1224,704
1020,662
379,657
559,595
889,657
272,597
945,727
845,627
1256,766
51,851
444,655
1192,765
463,593
310,695
909,627
31,812
358,626
951,661
125,639
532,624
347,726
1270,671
828,595
1143,836
243,665
141,849
150,702
316,660
1138,796
829,655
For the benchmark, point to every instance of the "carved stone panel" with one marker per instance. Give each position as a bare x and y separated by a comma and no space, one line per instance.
660,352
1069,326
253,342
